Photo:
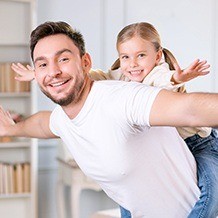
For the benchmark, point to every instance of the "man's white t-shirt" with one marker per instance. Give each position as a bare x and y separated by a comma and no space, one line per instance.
147,170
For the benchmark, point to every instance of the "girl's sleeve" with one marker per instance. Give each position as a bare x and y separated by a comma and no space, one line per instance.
98,74
161,76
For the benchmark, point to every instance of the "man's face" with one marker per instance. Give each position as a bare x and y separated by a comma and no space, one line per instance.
59,69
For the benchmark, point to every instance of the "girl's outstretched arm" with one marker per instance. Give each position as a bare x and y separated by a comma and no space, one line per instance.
195,69
25,73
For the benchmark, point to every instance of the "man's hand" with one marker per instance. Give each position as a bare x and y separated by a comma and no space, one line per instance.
6,122
197,68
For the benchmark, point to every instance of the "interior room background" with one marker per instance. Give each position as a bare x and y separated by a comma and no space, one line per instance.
188,28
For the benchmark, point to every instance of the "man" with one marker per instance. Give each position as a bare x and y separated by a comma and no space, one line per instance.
113,128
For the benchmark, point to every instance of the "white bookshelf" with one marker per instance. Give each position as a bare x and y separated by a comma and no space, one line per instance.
17,19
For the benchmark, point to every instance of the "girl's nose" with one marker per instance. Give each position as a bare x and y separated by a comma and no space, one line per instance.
133,62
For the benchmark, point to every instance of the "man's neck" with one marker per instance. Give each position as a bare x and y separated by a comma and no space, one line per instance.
73,109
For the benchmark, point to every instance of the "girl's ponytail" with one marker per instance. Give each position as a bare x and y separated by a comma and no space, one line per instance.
169,58
116,65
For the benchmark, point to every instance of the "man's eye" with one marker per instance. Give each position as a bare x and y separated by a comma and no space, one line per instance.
42,65
63,59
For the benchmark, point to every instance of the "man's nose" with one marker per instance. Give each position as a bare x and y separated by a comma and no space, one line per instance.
54,70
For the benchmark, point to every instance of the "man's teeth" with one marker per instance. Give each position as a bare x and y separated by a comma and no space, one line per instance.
57,84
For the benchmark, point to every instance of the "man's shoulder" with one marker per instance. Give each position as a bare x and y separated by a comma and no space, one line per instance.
110,84
107,82
115,87
117,83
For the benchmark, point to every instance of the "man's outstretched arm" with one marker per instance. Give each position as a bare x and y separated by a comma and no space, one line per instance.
182,109
36,126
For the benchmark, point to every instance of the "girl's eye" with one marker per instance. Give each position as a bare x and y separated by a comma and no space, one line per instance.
124,57
141,55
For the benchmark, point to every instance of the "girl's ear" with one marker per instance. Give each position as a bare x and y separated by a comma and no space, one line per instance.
159,56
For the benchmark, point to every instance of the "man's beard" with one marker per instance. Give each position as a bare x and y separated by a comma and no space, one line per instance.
74,96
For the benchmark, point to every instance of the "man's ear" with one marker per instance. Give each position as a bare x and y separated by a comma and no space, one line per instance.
86,62
158,56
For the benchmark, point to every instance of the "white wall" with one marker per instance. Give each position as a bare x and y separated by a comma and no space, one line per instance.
188,28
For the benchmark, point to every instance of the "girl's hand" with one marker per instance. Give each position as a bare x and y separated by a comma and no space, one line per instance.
24,73
197,68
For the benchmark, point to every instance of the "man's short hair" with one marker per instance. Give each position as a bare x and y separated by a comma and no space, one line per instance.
53,28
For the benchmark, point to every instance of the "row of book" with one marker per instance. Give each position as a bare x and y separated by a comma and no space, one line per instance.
7,81
14,178
6,139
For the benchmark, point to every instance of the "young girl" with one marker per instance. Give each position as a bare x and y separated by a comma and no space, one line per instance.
142,59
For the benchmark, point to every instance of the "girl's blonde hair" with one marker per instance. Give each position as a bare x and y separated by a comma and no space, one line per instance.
147,32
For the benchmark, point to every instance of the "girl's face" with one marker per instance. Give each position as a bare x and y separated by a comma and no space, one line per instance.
137,58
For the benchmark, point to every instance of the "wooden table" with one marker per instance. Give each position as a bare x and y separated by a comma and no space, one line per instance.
70,174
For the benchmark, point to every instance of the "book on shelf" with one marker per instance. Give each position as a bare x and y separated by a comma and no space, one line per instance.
8,82
14,178
18,178
10,177
26,178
